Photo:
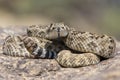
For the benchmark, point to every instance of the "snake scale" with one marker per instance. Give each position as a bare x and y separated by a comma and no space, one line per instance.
91,45
69,47
32,45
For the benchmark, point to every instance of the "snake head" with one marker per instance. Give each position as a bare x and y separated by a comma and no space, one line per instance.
57,30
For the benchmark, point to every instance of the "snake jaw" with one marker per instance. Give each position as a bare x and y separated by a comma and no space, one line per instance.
57,30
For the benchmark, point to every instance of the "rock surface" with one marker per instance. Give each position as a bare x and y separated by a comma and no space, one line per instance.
19,68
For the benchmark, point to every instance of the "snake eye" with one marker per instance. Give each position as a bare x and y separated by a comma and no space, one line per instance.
62,27
53,28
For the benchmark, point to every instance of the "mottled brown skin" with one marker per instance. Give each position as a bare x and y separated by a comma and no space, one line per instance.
83,48
85,42
37,31
33,45
101,45
68,59
13,46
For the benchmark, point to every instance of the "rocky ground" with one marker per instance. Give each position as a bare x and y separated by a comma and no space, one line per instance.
18,68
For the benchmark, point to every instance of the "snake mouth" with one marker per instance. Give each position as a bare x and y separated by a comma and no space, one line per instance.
61,33
58,31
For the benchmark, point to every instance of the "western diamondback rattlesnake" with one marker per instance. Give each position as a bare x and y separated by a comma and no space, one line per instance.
90,44
43,42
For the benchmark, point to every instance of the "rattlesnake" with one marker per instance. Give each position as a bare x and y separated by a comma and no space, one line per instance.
91,45
69,47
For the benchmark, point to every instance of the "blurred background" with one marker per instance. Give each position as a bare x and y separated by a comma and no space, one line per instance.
101,16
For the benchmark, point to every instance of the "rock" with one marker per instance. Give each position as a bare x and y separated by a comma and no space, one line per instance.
16,67
19,68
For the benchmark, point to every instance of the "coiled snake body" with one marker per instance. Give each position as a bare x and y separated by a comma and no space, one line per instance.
90,46
69,47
